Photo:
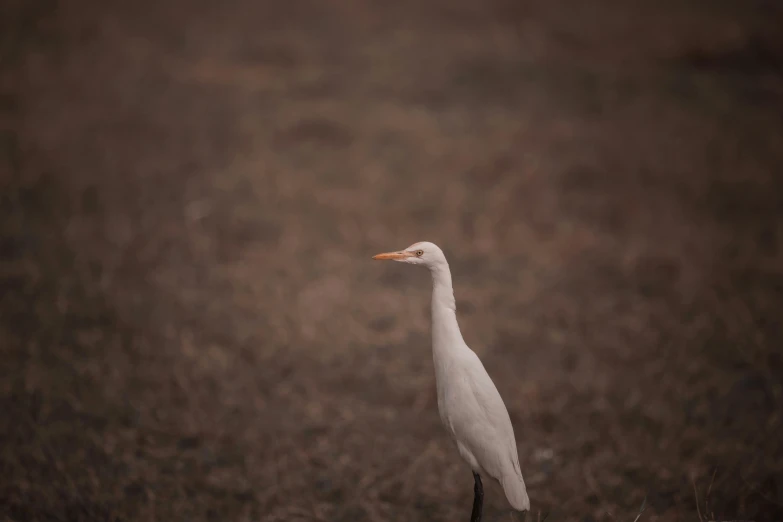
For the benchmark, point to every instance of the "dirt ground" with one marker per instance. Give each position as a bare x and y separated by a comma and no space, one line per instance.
191,327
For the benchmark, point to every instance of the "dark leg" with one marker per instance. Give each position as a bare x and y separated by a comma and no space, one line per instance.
478,499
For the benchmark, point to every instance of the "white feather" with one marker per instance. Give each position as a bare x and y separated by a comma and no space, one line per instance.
470,406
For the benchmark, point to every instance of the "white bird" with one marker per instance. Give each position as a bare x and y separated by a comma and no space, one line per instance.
470,406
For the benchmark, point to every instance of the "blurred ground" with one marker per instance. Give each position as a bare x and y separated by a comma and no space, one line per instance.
191,327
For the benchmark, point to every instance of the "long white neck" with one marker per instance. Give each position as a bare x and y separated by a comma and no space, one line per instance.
446,337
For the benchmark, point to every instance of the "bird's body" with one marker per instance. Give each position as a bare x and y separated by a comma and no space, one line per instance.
470,406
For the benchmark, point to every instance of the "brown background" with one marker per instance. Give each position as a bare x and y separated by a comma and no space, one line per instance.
191,325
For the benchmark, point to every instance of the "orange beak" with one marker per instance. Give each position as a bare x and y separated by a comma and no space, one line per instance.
393,255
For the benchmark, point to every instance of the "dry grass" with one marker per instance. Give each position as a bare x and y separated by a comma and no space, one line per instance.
191,326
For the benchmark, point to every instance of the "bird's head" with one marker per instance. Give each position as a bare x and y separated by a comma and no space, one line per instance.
424,253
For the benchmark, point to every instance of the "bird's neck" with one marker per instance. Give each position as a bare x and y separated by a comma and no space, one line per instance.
446,336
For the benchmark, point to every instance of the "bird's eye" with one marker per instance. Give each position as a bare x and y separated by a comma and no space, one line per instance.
419,253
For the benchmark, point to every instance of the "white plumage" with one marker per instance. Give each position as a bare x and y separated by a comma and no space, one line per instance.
470,406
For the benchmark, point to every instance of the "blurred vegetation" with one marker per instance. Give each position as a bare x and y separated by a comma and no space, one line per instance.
192,329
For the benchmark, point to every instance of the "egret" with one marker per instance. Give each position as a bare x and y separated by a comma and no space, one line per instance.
469,404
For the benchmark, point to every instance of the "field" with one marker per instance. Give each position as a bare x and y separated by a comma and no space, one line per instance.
192,329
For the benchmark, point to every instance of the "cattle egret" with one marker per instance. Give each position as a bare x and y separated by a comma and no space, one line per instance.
470,406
